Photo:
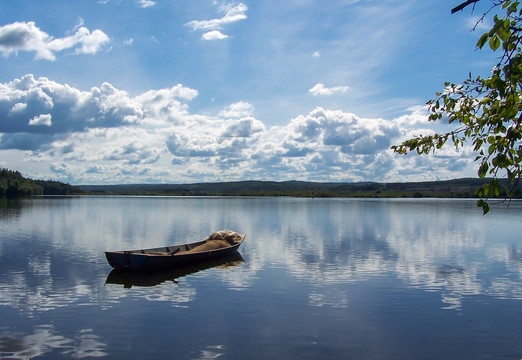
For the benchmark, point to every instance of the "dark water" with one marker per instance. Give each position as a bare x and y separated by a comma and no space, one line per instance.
317,279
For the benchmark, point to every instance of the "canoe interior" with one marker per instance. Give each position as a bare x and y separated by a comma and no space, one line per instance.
175,250
163,250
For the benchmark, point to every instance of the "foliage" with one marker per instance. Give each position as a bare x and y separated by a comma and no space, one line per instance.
51,187
13,184
488,111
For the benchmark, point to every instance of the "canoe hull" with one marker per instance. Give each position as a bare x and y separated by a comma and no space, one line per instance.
152,278
149,260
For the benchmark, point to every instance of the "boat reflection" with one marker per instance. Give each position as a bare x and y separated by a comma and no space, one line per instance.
145,279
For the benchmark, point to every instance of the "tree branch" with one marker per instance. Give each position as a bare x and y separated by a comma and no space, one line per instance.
463,5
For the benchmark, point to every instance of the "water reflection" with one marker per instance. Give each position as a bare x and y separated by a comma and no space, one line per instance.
440,245
429,244
45,339
212,352
339,261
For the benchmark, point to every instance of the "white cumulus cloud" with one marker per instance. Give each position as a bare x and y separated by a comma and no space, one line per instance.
320,89
232,13
245,127
237,110
418,115
42,119
28,101
214,35
26,36
105,135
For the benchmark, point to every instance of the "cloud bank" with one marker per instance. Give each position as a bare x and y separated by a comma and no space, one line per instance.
26,36
105,135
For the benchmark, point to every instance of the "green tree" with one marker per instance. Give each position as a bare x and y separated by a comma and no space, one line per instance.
487,111
13,184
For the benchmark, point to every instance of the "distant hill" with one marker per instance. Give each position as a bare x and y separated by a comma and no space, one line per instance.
450,188
13,184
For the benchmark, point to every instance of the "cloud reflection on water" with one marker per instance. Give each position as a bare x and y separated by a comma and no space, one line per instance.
444,246
433,245
46,339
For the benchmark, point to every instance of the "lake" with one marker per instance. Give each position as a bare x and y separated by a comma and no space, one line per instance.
314,279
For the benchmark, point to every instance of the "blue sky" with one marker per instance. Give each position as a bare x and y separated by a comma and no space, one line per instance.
176,91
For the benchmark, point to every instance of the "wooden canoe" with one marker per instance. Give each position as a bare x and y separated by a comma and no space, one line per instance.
152,278
167,257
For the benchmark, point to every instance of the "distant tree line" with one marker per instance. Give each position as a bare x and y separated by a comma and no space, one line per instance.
13,184
458,188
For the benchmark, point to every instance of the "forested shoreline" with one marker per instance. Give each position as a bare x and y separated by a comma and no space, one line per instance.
13,184
458,188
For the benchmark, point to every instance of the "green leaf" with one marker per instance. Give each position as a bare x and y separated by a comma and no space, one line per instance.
495,187
504,32
494,43
513,7
491,149
501,161
484,205
482,41
484,167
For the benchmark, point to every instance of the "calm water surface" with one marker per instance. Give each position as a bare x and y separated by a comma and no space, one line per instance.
316,279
